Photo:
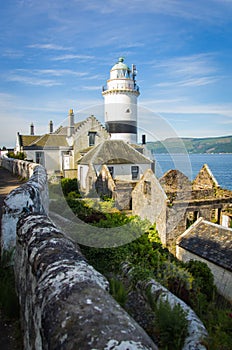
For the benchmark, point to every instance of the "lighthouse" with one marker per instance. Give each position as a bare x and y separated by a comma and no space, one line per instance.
120,102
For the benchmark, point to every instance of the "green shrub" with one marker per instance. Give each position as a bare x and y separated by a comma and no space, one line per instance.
19,155
106,260
176,278
171,325
203,278
73,195
69,185
218,320
140,274
118,291
8,298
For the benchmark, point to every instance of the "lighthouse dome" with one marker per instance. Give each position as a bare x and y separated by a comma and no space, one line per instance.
120,64
120,70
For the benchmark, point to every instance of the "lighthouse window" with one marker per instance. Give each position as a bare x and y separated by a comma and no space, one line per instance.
134,172
128,110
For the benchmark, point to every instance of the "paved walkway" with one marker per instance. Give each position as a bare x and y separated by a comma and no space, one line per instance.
8,328
8,182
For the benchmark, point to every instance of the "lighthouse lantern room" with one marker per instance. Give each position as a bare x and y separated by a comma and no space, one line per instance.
120,97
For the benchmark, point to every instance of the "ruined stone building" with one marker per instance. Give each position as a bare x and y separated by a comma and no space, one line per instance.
174,202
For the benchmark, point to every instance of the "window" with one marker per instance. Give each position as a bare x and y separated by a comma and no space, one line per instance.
147,188
92,135
134,172
111,170
39,158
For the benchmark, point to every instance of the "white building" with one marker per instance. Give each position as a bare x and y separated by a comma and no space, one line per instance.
58,151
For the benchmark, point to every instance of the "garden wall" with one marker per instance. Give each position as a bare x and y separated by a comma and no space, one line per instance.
64,302
31,196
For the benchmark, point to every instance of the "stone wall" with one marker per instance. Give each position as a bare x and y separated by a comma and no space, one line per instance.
150,202
32,196
64,301
196,330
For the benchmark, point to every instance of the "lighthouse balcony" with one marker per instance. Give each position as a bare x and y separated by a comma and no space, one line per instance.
120,88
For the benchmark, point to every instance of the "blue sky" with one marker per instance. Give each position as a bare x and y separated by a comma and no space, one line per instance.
56,55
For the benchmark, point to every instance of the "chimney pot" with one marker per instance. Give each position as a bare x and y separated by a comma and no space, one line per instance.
143,139
32,129
51,127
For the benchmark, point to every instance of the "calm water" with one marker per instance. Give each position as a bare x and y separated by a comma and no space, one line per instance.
190,164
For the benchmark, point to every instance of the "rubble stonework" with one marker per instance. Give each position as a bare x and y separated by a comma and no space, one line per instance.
196,330
182,202
64,301
31,196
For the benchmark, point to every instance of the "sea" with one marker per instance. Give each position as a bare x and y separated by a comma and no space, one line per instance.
190,165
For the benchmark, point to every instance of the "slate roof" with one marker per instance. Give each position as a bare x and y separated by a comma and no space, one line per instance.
63,130
209,241
114,152
49,140
26,140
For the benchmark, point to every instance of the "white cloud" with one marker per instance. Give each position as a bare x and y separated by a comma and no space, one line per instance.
49,47
201,81
52,72
203,11
91,88
72,57
33,81
176,106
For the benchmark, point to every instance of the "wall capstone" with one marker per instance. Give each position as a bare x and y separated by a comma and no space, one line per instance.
196,330
31,196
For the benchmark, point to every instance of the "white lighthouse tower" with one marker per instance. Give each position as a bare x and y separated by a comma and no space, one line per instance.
120,97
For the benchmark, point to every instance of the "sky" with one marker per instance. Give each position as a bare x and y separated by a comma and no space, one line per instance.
57,55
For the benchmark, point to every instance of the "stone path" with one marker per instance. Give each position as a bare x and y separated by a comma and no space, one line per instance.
8,328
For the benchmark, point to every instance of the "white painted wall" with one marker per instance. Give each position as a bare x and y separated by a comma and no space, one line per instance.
123,171
53,158
82,174
222,277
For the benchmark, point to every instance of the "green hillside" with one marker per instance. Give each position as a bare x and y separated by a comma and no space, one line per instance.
192,145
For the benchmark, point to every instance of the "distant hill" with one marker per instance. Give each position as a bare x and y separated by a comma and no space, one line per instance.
192,145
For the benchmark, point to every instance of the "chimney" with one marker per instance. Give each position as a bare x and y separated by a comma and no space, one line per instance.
143,139
70,123
32,129
51,127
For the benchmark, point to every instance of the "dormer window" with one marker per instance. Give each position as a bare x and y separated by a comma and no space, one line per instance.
134,172
92,135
